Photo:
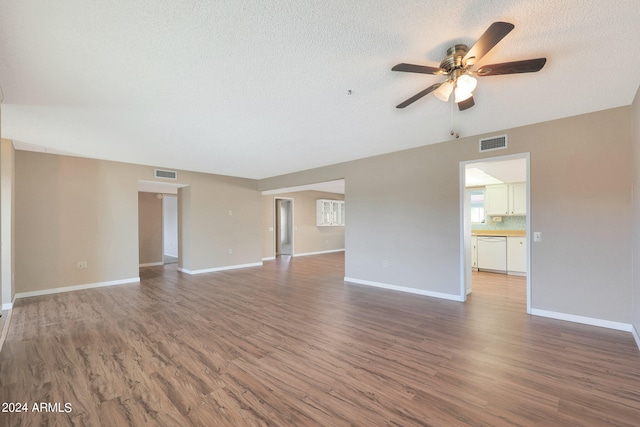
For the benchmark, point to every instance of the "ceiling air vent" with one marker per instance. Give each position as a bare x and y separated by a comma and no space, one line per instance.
160,173
493,143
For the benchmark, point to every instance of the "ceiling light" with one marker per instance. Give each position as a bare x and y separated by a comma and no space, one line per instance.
444,91
467,82
464,86
462,95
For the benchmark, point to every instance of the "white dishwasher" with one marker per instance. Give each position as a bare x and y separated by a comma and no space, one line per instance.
492,253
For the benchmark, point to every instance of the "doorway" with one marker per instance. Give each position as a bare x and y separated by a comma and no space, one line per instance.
506,179
159,238
284,226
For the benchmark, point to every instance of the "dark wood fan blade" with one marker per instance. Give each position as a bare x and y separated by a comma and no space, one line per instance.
526,66
419,95
466,104
422,69
496,32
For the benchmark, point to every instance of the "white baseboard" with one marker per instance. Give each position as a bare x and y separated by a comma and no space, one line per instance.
76,288
7,306
405,289
151,264
516,273
619,326
636,336
271,258
319,253
228,267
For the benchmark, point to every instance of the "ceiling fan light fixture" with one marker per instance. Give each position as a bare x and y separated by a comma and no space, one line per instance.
462,94
444,91
464,87
467,83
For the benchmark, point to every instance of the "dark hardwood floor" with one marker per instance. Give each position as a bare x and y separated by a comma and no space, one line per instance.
291,344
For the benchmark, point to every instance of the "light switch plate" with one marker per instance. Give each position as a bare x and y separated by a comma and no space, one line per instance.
537,236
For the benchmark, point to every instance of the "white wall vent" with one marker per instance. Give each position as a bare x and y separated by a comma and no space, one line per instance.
160,173
493,143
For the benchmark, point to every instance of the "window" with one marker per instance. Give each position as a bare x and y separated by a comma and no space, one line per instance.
477,205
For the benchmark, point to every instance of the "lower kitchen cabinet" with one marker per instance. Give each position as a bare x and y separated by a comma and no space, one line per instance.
516,255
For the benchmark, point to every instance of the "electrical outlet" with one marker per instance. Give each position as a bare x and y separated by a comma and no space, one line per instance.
385,263
230,213
81,265
230,251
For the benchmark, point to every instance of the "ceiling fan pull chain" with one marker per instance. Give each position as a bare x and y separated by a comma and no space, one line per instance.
454,119
457,113
451,114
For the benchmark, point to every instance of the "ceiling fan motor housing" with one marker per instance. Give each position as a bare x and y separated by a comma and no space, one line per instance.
455,58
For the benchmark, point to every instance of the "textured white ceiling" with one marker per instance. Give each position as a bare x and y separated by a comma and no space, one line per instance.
257,88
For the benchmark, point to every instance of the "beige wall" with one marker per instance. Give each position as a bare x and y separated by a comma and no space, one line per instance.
184,228
221,214
404,207
308,237
636,211
72,209
581,173
149,228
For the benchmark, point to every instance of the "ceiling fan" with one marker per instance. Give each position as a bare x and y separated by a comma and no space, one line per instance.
458,67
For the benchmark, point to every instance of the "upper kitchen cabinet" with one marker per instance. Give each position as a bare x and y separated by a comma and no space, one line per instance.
518,199
503,199
330,213
496,199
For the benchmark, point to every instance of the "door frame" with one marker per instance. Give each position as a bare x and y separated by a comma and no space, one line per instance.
276,227
465,224
164,188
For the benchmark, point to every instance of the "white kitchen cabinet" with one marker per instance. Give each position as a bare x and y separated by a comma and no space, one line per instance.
323,212
503,199
330,213
496,199
337,209
518,199
516,255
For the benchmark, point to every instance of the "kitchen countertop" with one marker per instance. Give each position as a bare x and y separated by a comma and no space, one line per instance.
512,233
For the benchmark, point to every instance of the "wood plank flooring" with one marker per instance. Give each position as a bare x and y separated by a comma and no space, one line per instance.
291,344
